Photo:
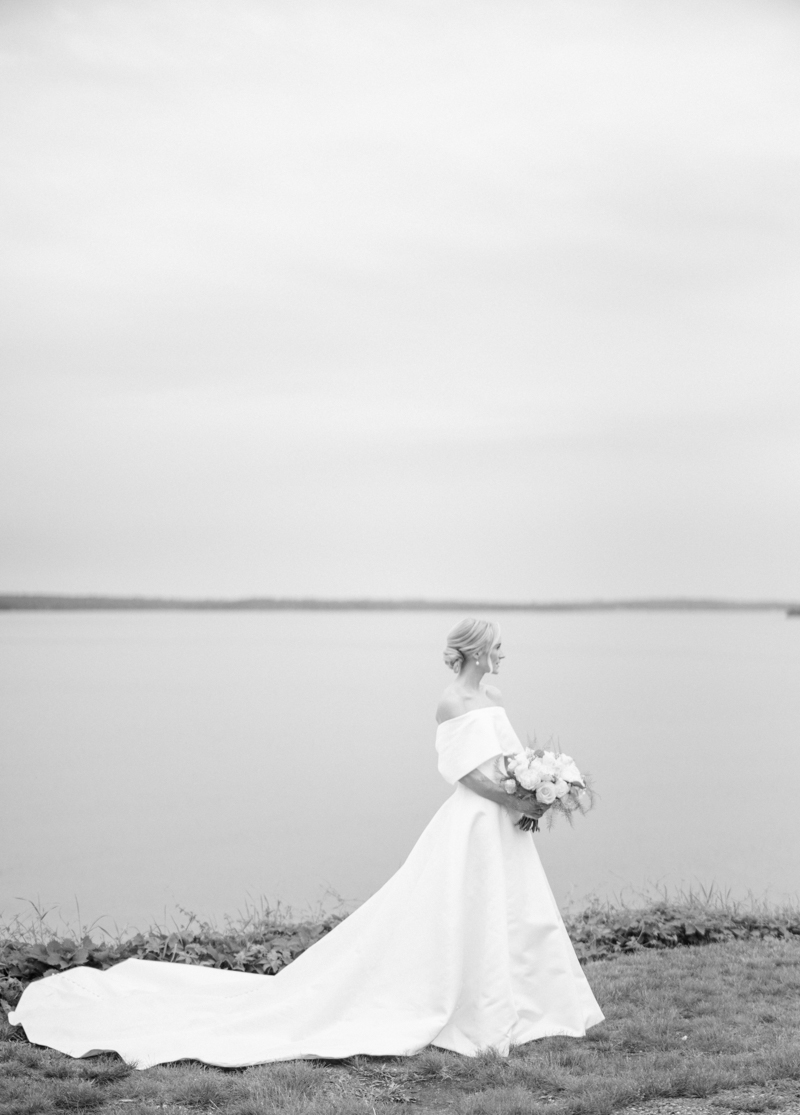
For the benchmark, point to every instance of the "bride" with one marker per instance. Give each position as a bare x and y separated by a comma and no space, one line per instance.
463,948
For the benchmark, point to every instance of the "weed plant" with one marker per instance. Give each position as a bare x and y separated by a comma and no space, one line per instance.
261,939
265,938
661,920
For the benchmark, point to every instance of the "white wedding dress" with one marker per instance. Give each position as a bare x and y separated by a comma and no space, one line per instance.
463,948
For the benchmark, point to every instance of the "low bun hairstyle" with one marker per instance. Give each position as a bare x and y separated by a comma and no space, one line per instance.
470,636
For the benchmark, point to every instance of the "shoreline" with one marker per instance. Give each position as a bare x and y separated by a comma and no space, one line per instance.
28,602
267,938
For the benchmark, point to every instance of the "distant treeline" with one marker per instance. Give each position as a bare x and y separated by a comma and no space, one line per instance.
40,602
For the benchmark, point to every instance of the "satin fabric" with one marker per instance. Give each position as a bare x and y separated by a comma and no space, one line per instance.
463,948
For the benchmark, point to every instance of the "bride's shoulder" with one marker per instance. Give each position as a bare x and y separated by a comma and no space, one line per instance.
453,704
494,694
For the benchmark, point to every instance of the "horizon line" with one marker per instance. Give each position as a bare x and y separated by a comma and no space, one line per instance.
119,602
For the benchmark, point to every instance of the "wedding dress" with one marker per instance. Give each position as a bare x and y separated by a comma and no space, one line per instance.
463,948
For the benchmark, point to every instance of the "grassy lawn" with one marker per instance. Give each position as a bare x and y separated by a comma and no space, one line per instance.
720,1021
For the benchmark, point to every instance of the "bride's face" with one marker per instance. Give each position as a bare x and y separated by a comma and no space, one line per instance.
495,656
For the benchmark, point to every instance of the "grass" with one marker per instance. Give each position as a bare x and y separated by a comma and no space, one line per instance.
720,1022
686,1022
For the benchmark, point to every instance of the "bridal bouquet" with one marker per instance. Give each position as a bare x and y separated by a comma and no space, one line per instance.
549,777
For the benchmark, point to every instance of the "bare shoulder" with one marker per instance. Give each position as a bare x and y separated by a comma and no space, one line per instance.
451,704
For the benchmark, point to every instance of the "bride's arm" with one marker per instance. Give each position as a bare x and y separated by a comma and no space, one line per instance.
485,788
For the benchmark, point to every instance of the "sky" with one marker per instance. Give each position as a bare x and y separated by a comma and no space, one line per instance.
489,300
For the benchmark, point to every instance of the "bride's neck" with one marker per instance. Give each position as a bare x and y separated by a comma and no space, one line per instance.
470,679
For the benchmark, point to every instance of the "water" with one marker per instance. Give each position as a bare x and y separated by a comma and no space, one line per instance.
156,760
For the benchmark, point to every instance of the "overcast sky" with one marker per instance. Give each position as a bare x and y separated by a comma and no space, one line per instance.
382,297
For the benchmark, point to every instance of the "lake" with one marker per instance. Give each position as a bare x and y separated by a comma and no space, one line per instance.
154,761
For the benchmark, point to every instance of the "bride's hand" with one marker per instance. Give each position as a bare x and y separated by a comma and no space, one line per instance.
530,807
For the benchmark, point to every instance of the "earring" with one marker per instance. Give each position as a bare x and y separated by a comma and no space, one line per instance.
477,660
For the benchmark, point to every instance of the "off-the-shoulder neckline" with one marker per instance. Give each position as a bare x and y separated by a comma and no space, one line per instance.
472,711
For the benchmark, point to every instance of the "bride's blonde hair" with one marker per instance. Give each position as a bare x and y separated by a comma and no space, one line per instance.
470,636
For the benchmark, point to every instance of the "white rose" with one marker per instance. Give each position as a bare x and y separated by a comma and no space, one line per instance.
561,787
544,774
546,793
549,763
510,786
528,779
570,773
